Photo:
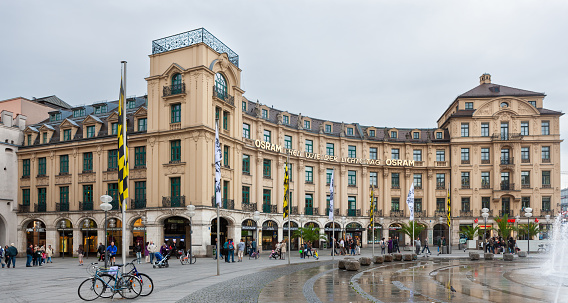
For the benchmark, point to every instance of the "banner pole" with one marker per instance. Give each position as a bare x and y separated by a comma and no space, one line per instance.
124,127
289,210
218,223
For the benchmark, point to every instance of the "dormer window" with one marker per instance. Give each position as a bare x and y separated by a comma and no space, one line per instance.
131,104
79,113
29,139
533,103
244,106
114,128
307,124
372,133
439,135
416,135
90,131
350,131
264,114
101,109
394,134
66,135
44,137
328,128
286,120
469,105
55,117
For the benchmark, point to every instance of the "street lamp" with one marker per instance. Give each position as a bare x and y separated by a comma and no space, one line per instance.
105,206
343,221
144,221
484,214
302,219
256,218
190,213
517,218
528,214
62,225
381,221
547,225
86,225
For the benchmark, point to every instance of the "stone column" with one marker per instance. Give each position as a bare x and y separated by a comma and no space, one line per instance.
258,186
77,240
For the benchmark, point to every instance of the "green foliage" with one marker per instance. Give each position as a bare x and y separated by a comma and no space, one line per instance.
308,234
533,229
505,228
407,229
469,231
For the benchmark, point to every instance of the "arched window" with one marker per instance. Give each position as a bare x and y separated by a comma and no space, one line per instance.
220,86
176,84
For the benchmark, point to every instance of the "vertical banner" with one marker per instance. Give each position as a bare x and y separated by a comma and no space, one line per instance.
331,197
122,149
449,209
286,185
218,158
372,211
410,202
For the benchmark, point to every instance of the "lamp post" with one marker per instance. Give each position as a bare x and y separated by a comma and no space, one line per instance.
86,225
528,214
256,218
144,221
343,221
381,221
484,214
441,222
547,226
62,225
105,206
190,213
517,218
302,219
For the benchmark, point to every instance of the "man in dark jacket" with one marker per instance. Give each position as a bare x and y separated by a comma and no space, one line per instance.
12,252
29,255
101,251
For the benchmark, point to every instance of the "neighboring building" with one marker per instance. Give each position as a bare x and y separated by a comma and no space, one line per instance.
11,137
36,110
495,147
564,199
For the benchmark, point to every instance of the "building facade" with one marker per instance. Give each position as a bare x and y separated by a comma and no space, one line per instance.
494,147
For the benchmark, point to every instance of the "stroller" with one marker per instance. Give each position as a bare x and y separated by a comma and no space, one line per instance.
274,254
161,261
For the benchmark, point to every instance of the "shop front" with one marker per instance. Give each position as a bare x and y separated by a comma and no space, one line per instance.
176,231
269,235
89,233
114,234
248,232
354,231
65,229
313,225
378,233
35,233
223,226
332,232
395,230
293,241
139,233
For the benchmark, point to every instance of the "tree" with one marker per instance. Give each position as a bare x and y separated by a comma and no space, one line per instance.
505,228
309,234
407,229
469,231
532,227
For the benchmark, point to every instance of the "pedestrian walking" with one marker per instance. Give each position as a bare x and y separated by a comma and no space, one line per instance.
390,245
80,252
112,250
101,252
396,245
417,244
146,253
253,246
49,254
2,254
240,250
283,249
231,248
7,255
426,246
138,251
29,255
152,249
383,245
12,253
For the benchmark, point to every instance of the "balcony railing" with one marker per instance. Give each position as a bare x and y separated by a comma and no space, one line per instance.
440,213
395,186
546,160
316,211
225,203
378,213
509,213
138,204
353,212
173,201
507,161
490,212
309,211
525,160
485,185
294,210
421,214
335,211
485,161
397,213
62,206
466,213
440,185
86,205
23,208
40,207
507,186
506,137
223,96
465,185
544,212
441,163
249,207
465,162
269,209
115,205
546,186
525,185
174,89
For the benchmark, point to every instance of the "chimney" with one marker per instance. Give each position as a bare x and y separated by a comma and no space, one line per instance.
7,118
485,78
21,122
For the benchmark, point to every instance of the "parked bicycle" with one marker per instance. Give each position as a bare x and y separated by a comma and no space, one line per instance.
108,282
186,258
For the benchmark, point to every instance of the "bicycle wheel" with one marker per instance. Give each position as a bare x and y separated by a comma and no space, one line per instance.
92,269
129,287
89,289
147,284
192,259
109,282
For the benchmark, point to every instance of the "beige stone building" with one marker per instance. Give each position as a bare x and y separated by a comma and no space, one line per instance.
495,147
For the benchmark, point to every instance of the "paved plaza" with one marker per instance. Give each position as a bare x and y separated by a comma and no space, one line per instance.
306,280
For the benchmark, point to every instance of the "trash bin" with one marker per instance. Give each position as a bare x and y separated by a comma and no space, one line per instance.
444,249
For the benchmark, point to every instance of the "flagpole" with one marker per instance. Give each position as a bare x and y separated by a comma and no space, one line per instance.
216,198
289,207
372,219
124,127
332,197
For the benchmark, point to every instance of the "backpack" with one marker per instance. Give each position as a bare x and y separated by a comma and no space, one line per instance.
382,244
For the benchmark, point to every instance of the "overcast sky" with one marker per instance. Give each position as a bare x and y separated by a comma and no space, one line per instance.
382,63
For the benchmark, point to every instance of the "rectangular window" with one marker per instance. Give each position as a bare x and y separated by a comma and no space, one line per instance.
440,181
90,131
328,128
175,151
290,172
264,114
525,202
244,106
113,159
142,124
371,133
485,129
546,179
373,179
246,131
416,135
66,135
418,205
26,197
309,204
88,194
226,152
225,120
175,113
352,178
78,113
175,188
328,174
465,155
29,140
309,146
524,128
64,195
63,164
439,135
418,181
309,174
417,155
525,179
267,136
395,181
41,166
266,168
546,154
266,200
395,204
545,127
131,104
373,153
42,196
395,153
307,124
330,149
44,137
140,190
112,190
546,203
217,113
469,105
352,151
504,131
286,120
350,131
246,195
465,129
485,179
140,156
465,204
246,164
26,168
288,142
465,179
485,155
440,204
533,103
87,162
114,128
525,155
486,202
393,134
440,155
352,206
